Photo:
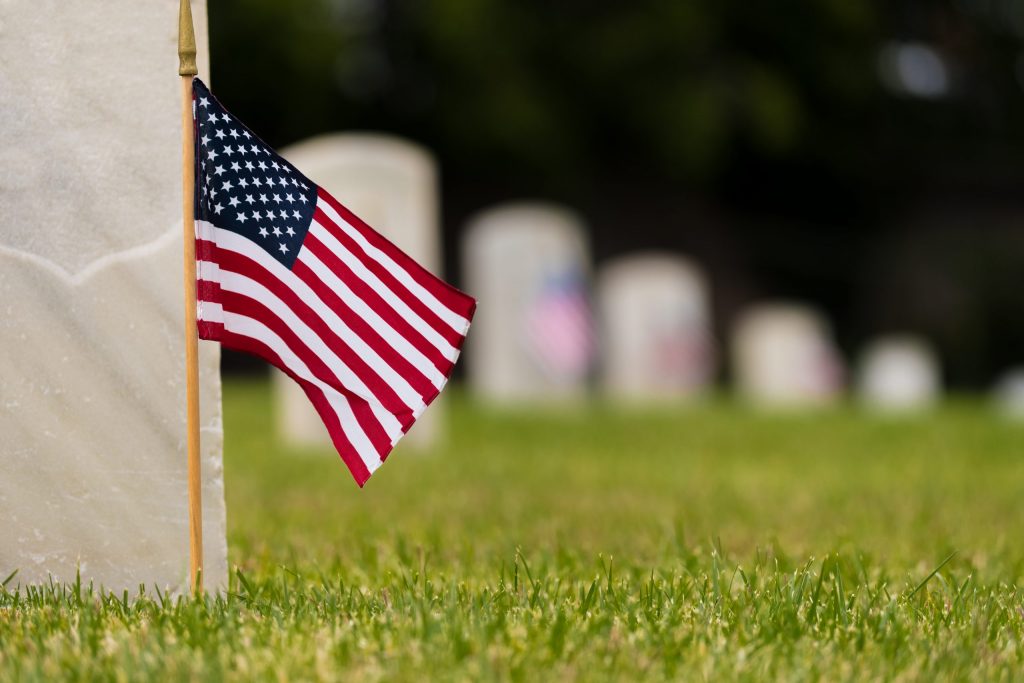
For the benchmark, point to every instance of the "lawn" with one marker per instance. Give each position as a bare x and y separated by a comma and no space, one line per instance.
698,543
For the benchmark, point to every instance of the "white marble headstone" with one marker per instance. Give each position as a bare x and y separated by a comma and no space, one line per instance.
1009,394
783,356
92,391
528,264
898,373
655,322
391,184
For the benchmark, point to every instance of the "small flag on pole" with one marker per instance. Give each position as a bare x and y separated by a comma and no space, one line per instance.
287,273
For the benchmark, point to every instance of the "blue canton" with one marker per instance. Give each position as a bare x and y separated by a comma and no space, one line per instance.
244,187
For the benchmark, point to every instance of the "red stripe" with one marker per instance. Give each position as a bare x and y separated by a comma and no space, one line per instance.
411,300
366,293
251,308
207,290
458,302
210,331
237,263
341,442
204,250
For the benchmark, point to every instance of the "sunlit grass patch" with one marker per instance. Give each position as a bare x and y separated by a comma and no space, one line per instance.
596,545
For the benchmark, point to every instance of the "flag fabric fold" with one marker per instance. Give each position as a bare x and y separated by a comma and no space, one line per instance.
289,274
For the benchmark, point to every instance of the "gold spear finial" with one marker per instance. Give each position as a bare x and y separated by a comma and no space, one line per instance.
186,41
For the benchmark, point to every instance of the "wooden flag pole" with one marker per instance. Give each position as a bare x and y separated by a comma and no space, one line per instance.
187,70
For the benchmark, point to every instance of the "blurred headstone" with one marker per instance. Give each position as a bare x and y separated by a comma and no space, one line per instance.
1009,394
528,264
783,356
899,373
92,382
655,328
392,185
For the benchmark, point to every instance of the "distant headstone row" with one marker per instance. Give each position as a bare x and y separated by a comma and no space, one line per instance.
550,329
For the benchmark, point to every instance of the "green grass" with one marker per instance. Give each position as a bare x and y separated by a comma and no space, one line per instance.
709,543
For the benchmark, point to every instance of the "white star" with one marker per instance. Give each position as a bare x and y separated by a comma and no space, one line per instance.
277,198
224,117
295,182
248,165
233,133
218,170
289,198
243,182
277,231
263,232
235,166
227,185
219,134
206,139
302,198
217,208
246,133
263,166
228,150
274,164
203,102
263,198
249,198
297,215
242,149
256,215
284,249
233,201
212,154
256,181
282,182
291,233
241,218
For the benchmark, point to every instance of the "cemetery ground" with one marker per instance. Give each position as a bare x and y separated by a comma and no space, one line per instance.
711,543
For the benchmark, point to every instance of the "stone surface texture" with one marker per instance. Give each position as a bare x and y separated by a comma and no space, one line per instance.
783,356
92,393
655,321
528,264
392,185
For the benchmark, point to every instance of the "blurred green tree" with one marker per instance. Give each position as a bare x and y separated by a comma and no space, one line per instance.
554,90
770,140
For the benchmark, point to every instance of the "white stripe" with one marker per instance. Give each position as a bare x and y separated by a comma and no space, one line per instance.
456,321
363,273
241,245
248,327
246,286
210,312
208,270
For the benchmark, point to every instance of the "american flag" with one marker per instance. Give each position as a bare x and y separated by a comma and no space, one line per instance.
558,329
287,273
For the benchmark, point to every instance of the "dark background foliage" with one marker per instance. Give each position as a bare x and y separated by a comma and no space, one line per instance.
765,139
